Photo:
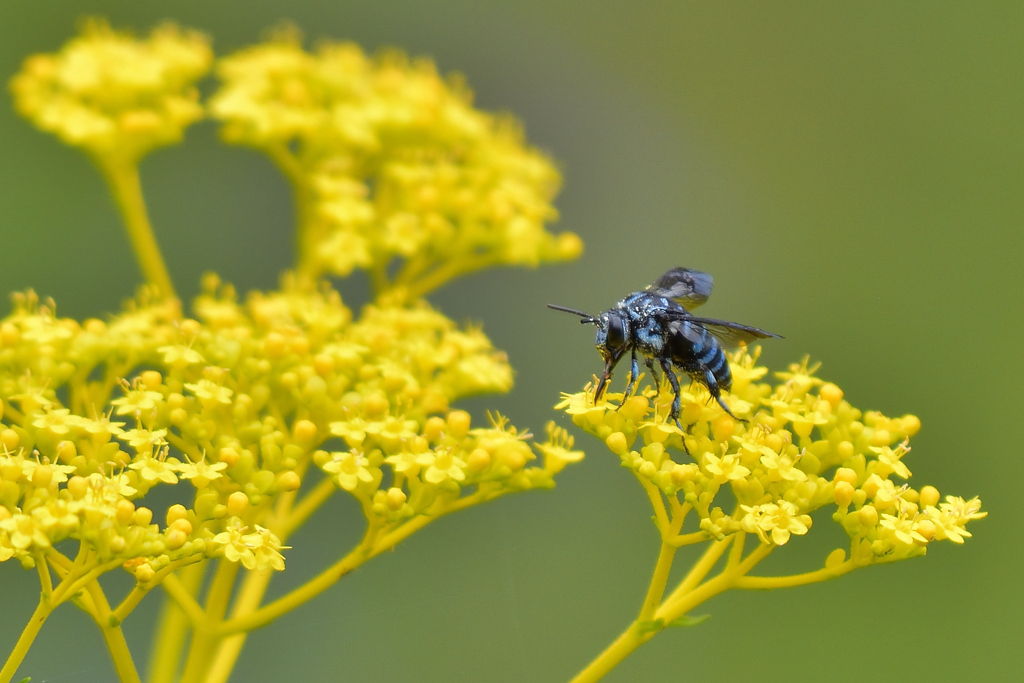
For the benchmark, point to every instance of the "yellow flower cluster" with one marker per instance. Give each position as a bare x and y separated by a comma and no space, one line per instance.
114,95
245,396
390,161
265,408
801,448
796,448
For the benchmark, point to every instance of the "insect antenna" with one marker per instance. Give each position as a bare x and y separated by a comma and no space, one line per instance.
587,318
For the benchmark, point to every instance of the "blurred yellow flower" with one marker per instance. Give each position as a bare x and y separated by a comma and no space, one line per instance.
114,95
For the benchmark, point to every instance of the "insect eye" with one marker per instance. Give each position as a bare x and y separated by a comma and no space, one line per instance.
615,338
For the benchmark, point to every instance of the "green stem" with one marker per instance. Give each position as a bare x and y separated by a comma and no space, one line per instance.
123,178
701,568
45,580
766,582
247,614
264,615
294,518
678,605
76,582
141,590
119,652
368,548
306,238
113,635
632,638
185,601
447,271
205,642
657,588
255,584
173,628
689,539
657,502
690,593
248,601
28,634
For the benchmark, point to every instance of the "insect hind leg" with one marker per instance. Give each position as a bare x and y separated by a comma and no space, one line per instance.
711,382
677,400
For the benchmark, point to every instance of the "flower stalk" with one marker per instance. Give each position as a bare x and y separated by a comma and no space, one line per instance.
123,180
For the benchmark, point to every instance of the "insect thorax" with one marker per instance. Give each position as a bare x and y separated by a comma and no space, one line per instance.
647,328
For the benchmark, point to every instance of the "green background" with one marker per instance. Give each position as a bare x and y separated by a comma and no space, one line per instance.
850,173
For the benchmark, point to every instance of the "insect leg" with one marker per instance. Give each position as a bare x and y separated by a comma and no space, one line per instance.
712,384
602,384
649,362
634,374
677,402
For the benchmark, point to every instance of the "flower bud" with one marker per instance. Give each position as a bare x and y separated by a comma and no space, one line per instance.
77,486
124,511
723,428
911,424
868,515
929,496
478,460
237,503
845,474
289,481
634,408
175,538
304,431
144,573
434,428
182,525
151,379
228,455
843,493
831,393
176,512
617,443
835,558
681,474
569,246
9,439
395,498
42,475
458,423
10,335
926,528
323,364
118,544
143,516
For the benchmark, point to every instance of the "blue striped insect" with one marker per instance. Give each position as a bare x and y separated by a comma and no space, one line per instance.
657,324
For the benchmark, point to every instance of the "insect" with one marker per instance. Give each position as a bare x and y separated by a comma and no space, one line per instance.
657,324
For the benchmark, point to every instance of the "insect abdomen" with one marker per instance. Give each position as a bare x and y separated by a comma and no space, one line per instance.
696,349
713,358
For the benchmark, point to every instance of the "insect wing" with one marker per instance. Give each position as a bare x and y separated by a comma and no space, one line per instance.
690,288
731,335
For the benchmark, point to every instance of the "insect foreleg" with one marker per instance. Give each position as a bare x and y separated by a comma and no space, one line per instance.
634,374
602,384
